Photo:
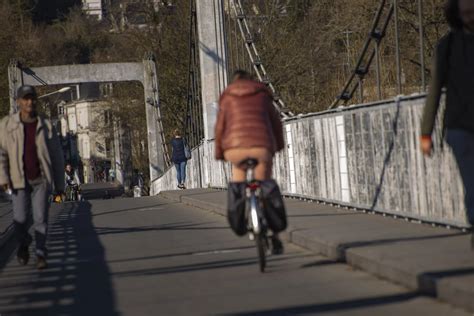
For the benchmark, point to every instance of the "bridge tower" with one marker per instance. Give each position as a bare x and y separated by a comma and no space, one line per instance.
213,59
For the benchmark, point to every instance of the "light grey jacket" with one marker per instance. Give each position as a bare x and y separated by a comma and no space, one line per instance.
12,144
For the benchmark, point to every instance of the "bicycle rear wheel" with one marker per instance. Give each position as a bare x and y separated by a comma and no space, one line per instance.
261,249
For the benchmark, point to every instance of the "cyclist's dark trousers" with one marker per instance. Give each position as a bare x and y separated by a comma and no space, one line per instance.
35,197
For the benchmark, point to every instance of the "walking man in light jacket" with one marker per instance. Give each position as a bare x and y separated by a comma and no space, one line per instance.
31,165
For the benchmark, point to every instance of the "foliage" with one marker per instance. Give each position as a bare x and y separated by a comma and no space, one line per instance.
309,48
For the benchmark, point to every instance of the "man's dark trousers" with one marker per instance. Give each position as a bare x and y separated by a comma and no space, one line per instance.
34,197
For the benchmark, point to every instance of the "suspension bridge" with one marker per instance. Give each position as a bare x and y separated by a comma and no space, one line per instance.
358,191
355,154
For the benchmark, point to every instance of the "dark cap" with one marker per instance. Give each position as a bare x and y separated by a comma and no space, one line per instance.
23,91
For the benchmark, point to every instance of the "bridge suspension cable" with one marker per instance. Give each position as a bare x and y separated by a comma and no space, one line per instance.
366,57
193,120
254,62
371,51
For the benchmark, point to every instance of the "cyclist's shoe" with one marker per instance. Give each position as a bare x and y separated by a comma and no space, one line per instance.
41,263
277,246
23,253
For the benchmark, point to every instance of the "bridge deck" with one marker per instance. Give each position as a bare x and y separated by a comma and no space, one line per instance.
154,256
433,260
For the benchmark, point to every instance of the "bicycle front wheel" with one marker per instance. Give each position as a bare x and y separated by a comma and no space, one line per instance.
261,249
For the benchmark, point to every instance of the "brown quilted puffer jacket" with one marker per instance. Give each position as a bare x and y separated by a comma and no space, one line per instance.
247,119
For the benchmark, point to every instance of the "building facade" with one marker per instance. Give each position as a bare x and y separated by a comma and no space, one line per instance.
87,131
94,8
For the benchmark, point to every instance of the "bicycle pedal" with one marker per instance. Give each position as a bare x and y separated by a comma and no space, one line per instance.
251,236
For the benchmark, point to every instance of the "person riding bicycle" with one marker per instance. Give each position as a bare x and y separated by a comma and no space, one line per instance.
249,126
72,181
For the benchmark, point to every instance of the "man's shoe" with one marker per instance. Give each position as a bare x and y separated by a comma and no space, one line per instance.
23,253
41,263
277,246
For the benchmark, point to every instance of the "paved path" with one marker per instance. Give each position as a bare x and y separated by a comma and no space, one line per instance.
97,190
153,256
432,260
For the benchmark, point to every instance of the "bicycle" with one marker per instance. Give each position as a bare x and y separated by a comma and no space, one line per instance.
72,192
256,222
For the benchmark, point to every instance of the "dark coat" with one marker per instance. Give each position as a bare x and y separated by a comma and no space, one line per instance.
453,69
178,155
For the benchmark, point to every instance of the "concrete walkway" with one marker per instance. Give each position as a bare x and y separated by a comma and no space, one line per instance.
153,256
431,260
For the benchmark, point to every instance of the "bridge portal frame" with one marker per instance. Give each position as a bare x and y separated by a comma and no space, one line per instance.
144,72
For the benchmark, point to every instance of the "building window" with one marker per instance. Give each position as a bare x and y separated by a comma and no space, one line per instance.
107,117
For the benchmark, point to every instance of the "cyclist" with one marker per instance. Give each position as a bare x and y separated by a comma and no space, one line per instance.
249,126
72,182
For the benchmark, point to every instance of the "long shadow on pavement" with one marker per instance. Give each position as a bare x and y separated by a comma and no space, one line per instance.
204,266
77,281
359,244
174,226
133,209
334,306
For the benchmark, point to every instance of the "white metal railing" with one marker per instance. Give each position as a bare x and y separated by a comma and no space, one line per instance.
364,156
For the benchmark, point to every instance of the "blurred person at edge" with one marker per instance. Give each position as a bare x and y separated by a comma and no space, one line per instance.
453,69
31,164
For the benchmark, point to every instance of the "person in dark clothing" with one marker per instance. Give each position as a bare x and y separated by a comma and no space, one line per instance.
179,158
453,69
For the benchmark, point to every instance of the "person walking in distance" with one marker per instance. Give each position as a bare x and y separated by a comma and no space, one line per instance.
31,165
453,69
71,175
249,126
179,157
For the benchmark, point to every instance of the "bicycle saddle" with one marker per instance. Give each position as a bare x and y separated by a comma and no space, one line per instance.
249,163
